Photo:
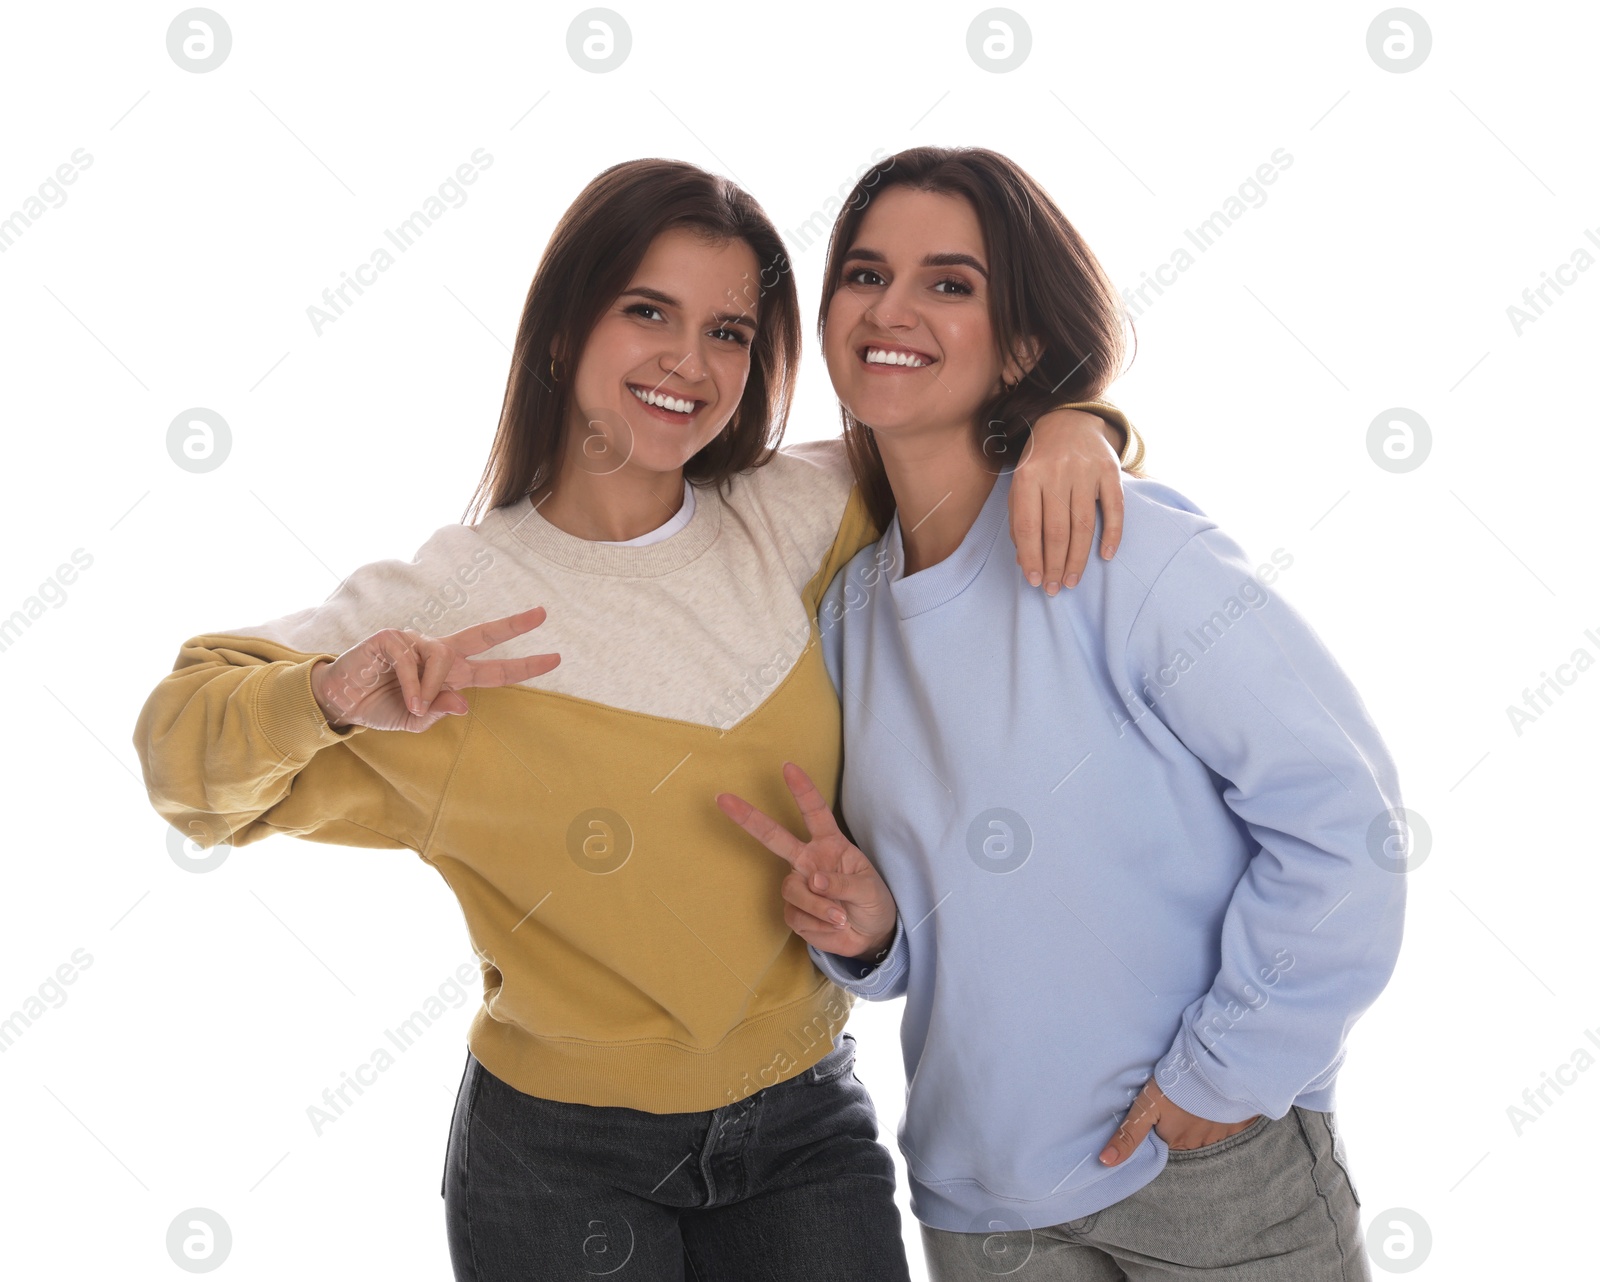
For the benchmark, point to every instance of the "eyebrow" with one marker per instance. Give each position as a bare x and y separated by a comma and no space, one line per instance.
930,260
667,300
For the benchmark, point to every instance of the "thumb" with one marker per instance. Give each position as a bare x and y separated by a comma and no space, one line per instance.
865,889
1135,1126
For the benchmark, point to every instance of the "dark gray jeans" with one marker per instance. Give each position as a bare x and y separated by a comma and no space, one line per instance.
787,1185
1273,1203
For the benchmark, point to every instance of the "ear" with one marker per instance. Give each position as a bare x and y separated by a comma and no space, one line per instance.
1025,357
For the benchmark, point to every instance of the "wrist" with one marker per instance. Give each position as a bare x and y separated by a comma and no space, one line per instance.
877,951
1115,437
1113,424
329,712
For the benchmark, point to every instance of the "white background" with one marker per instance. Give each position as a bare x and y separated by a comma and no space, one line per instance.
219,206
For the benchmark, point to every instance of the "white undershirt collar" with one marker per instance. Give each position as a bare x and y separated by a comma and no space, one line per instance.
674,523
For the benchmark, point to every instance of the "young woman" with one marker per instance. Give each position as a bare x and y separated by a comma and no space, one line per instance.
657,1078
1135,834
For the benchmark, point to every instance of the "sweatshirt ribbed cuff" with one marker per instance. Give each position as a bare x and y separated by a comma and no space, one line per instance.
288,713
1181,1077
862,978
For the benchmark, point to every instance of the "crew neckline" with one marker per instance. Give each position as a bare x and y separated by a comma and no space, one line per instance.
665,530
522,521
932,587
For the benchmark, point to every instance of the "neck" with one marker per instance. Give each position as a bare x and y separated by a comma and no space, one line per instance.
940,483
613,507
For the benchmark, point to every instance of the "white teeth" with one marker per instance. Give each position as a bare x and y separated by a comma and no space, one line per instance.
665,402
877,356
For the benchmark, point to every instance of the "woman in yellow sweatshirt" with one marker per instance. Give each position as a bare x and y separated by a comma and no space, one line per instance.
543,704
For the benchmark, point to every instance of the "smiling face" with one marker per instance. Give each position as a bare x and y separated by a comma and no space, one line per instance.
665,366
908,339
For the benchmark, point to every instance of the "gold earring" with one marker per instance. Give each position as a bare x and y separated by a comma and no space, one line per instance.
553,375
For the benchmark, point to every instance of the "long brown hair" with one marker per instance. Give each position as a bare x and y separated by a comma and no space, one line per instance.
1043,282
592,256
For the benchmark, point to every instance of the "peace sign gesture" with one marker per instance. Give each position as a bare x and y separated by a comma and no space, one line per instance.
399,679
835,899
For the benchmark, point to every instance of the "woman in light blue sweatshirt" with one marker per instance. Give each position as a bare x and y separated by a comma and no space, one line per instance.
1133,853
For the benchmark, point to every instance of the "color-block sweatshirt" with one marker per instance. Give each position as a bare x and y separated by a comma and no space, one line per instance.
1138,829
630,936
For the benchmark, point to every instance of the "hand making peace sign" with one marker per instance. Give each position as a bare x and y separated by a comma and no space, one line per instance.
835,899
399,679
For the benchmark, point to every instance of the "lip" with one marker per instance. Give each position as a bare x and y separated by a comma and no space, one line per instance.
927,358
657,411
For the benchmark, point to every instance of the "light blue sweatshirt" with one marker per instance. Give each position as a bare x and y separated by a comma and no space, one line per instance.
1144,827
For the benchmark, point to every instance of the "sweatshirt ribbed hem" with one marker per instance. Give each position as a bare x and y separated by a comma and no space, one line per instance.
936,1208
664,1077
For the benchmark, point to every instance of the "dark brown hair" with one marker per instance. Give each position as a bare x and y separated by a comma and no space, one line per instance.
592,256
1043,282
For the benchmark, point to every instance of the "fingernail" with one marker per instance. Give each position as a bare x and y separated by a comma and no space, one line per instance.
822,881
1108,1155
837,919
1108,550
1035,578
1072,580
416,706
1052,589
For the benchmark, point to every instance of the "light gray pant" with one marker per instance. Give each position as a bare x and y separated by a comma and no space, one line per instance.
1273,1203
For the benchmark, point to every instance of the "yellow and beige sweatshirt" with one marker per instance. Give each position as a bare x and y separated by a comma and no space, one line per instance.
630,937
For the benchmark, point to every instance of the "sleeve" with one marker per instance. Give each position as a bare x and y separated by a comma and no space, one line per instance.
887,979
830,611
827,453
1313,928
856,530
234,748
877,983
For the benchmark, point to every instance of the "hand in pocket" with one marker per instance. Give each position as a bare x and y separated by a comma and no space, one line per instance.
1179,1128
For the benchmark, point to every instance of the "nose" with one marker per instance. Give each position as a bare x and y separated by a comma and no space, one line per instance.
688,363
894,308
